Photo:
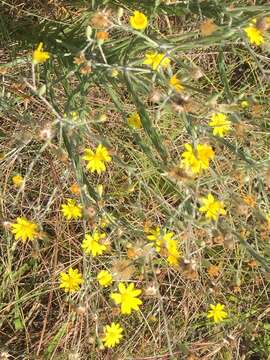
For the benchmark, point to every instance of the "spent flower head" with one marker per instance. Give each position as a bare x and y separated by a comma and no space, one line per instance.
24,229
71,210
127,298
138,21
96,160
112,335
217,313
71,280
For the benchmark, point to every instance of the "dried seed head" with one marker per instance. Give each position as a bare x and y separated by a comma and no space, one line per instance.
263,23
151,290
74,356
189,268
90,212
4,355
122,270
155,96
208,27
266,177
196,73
86,68
100,20
6,225
229,241
79,59
46,134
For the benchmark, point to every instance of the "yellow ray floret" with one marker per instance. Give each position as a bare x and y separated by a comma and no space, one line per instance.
112,335
71,280
71,210
24,229
138,21
92,244
39,56
211,207
96,160
197,159
127,298
217,313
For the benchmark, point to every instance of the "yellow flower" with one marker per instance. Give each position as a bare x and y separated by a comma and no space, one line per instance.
99,189
127,297
244,104
155,235
138,21
175,84
24,229
92,243
268,218
96,160
71,210
71,280
156,60
173,253
220,124
40,56
217,313
197,159
212,207
114,73
164,244
104,278
17,180
134,120
113,335
159,237
255,36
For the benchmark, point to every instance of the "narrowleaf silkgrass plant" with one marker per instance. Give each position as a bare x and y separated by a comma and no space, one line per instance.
135,201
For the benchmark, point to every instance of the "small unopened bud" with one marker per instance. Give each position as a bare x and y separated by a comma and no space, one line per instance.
46,134
80,309
6,225
120,13
88,32
99,190
42,90
102,118
155,96
196,73
114,73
